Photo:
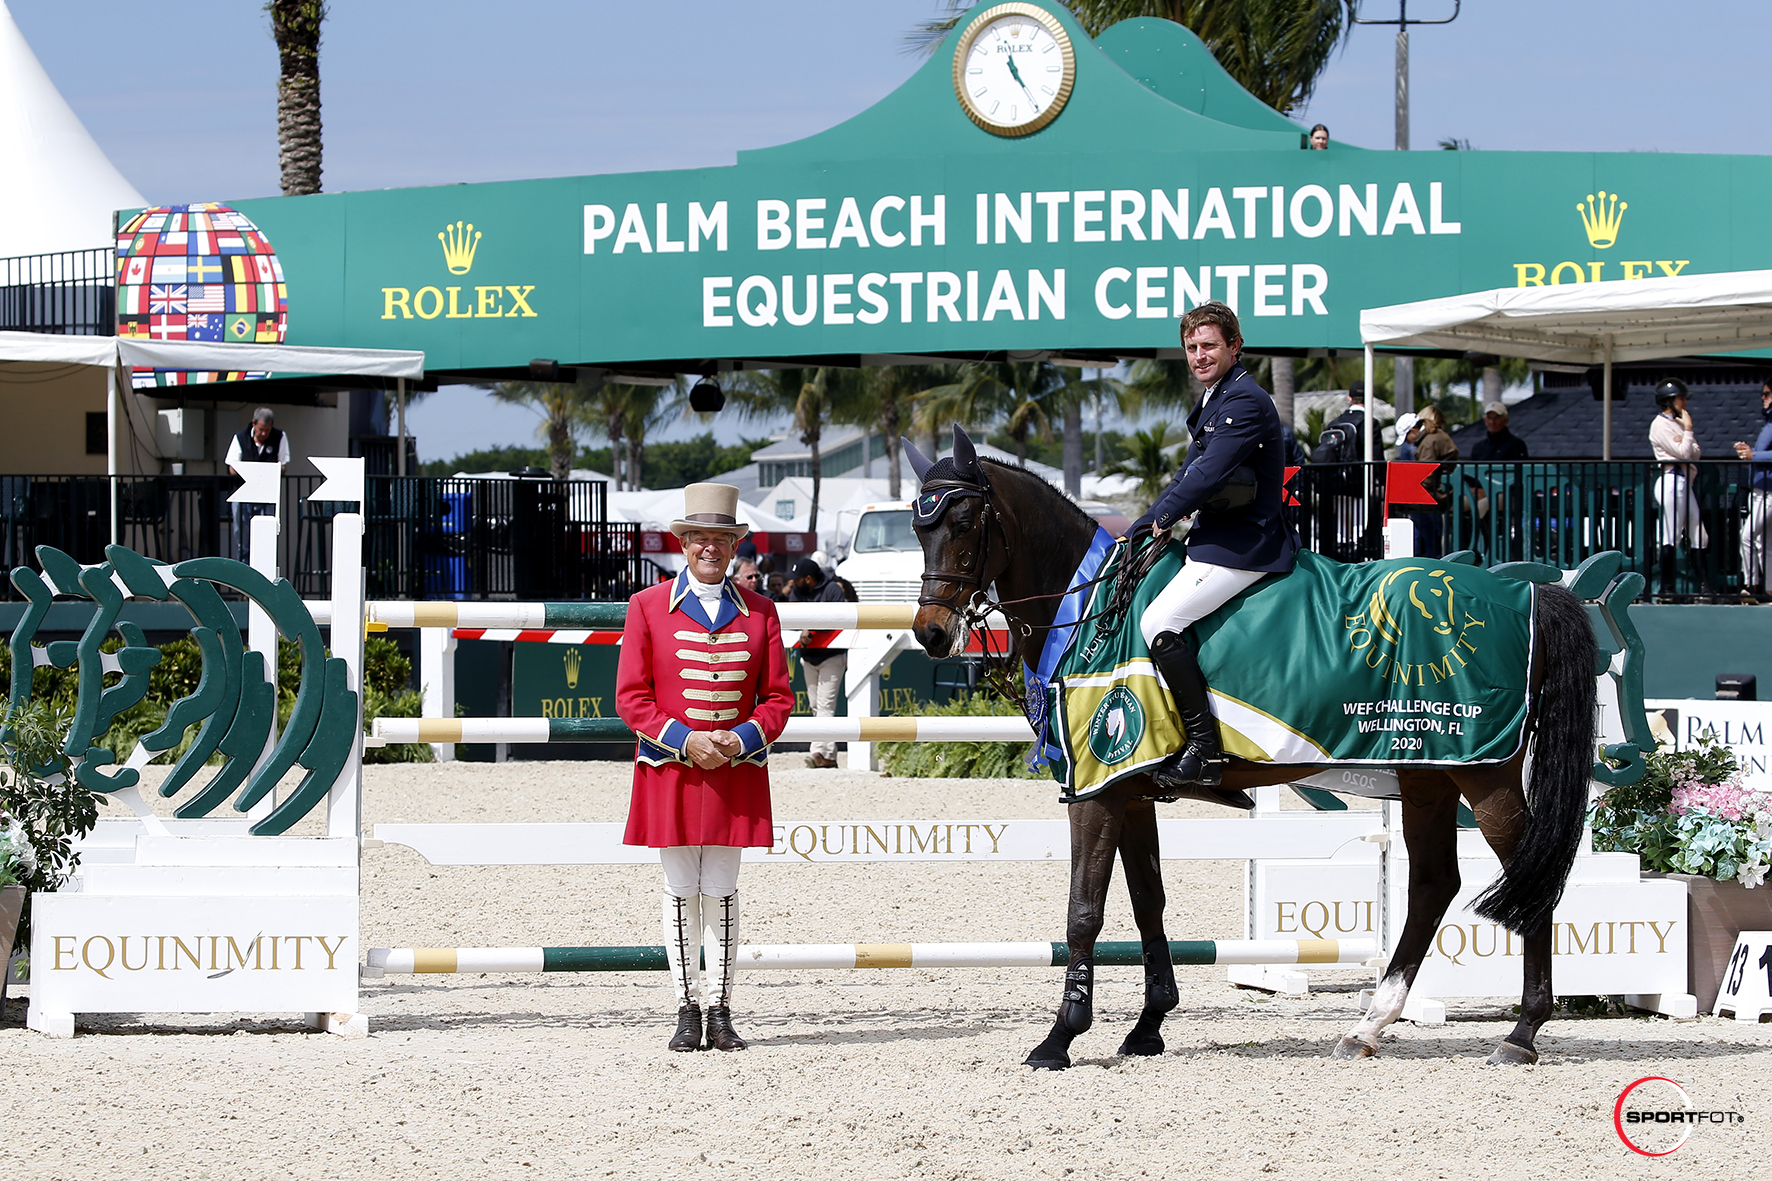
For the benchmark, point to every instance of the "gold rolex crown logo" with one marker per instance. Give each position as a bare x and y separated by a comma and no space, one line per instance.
573,658
1601,219
459,244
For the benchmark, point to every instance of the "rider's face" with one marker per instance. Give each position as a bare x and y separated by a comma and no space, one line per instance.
1208,355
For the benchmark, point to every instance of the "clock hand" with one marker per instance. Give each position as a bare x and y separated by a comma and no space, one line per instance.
1016,74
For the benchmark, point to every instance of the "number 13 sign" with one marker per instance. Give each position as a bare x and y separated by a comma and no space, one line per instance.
1747,981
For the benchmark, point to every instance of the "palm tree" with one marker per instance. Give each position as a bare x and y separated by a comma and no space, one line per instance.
1150,459
812,396
1275,49
561,407
882,398
648,408
296,26
1020,393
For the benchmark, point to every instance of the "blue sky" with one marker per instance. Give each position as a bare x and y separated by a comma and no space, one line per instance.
445,92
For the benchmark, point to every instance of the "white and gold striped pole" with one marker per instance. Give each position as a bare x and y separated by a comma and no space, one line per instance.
425,960
540,730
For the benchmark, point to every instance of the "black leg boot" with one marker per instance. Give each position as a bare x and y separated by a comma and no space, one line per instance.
682,933
1695,566
1201,758
1668,571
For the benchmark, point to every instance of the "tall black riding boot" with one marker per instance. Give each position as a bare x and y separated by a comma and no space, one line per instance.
1201,758
1668,571
1695,566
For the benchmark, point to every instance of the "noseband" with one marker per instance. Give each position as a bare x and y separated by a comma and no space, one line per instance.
940,494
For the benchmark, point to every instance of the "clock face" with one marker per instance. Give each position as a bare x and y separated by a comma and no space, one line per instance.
1013,69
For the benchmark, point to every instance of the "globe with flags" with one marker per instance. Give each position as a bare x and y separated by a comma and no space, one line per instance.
198,272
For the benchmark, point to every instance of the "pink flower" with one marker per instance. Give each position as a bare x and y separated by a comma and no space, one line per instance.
1729,800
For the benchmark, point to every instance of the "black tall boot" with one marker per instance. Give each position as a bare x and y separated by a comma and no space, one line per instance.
1201,758
1668,571
1695,566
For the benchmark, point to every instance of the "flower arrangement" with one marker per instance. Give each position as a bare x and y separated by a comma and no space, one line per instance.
18,856
1690,813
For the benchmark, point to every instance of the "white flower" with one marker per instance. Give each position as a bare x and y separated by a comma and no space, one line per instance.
1752,875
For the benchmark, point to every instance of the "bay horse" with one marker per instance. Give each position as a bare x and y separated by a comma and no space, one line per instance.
986,526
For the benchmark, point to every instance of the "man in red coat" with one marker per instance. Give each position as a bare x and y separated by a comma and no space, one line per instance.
703,682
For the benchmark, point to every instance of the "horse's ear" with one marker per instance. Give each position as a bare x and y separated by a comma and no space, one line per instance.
965,455
920,463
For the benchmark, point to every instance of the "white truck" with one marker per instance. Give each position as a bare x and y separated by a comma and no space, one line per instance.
885,562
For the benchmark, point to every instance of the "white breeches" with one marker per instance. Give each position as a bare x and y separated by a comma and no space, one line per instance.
1679,511
1197,591
1754,573
700,869
824,682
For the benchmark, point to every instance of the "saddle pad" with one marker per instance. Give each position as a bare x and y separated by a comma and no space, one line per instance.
1403,661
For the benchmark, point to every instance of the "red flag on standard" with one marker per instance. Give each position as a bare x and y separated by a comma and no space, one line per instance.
1402,483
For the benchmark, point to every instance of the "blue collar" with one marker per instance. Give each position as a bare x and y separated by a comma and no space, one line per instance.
731,602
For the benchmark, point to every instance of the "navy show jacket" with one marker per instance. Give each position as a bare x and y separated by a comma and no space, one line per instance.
1236,427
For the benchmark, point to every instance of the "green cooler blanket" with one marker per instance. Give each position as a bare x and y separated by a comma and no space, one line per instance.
1402,661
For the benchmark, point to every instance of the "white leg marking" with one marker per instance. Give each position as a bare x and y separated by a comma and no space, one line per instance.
1387,1006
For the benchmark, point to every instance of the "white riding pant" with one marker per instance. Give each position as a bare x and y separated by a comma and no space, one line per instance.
1679,511
1199,589
1754,573
824,682
700,869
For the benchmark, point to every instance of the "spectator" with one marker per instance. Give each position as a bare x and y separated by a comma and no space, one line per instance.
1408,432
1433,445
1676,446
778,586
261,442
1756,580
1500,443
1289,448
1320,137
747,576
823,666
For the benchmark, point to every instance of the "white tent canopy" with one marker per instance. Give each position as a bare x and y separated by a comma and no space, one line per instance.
1586,323
58,190
118,354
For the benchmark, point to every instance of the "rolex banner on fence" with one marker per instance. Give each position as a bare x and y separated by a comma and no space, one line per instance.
1402,661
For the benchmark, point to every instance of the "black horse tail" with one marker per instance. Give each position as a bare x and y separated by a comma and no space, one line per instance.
1525,895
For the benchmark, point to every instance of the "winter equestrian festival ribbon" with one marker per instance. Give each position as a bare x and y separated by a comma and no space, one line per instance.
1058,641
1403,661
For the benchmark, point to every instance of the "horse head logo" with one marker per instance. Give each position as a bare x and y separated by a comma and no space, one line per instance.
1415,595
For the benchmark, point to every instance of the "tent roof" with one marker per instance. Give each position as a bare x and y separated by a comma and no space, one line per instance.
50,348
57,188
1645,319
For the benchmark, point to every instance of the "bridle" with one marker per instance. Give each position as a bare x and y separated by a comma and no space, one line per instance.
971,582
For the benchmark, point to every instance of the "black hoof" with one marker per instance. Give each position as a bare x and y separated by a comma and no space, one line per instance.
1139,1045
1048,1058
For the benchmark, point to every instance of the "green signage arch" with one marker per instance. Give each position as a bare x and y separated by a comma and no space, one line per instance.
916,229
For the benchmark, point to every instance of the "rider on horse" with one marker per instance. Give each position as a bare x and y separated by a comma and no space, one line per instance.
1232,480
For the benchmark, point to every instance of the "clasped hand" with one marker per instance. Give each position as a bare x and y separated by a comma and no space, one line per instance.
712,749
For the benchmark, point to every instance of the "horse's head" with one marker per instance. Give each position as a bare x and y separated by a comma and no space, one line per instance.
953,515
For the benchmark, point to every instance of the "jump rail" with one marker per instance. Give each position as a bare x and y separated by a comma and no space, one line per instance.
404,960
537,730
612,616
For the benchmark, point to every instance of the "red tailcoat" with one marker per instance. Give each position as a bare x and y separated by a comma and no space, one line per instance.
681,671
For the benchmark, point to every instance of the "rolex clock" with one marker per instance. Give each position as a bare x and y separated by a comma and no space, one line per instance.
1014,68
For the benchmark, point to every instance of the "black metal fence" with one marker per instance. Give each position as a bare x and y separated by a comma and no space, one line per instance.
1695,535
1691,537
71,293
426,538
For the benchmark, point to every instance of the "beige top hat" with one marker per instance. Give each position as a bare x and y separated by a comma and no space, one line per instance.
710,506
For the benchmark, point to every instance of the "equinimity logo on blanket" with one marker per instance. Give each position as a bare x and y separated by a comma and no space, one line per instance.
1654,1116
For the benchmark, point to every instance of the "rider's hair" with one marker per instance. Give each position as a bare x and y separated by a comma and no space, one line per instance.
1213,312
